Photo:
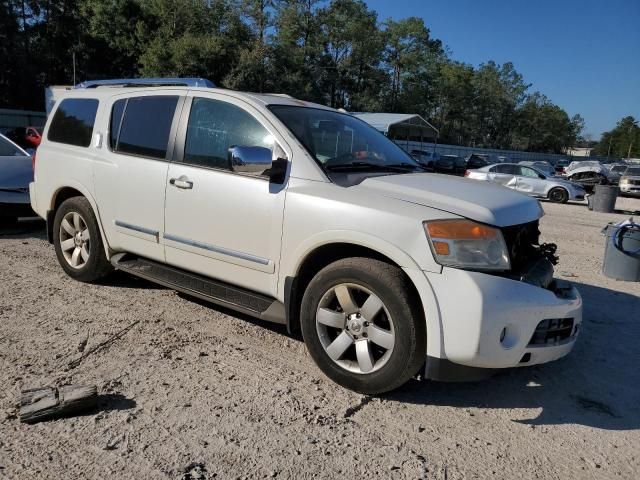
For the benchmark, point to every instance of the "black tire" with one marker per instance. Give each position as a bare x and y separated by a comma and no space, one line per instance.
558,195
96,266
393,288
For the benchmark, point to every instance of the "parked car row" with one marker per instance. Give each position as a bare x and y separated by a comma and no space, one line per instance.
540,179
449,164
529,180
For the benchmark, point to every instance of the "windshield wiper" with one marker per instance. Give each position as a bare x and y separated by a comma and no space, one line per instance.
395,167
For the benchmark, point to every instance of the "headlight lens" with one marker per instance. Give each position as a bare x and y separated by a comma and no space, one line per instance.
467,244
624,181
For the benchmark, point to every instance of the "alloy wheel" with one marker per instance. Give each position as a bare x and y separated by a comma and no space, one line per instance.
355,328
75,240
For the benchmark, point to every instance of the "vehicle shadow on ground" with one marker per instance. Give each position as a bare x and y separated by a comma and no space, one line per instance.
597,385
120,279
25,229
276,328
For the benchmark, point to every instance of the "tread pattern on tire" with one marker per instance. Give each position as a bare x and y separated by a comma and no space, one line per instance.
399,288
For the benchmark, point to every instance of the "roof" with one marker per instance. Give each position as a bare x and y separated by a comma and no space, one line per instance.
257,99
384,121
123,82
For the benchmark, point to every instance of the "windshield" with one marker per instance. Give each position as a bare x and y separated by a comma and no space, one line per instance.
340,141
632,171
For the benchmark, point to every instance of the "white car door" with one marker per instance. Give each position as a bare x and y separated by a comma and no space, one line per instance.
531,182
218,223
131,175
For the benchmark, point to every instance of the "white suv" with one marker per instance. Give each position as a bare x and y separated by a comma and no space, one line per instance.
300,214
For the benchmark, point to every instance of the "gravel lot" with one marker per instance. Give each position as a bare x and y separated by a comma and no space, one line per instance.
192,391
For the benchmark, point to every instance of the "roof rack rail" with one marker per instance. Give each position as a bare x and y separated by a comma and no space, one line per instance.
148,82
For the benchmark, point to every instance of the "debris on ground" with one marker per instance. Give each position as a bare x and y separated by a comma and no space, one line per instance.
39,404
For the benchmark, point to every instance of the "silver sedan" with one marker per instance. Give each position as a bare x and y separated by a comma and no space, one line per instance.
530,181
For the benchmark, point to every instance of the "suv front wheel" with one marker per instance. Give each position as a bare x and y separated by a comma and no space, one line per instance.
361,325
78,243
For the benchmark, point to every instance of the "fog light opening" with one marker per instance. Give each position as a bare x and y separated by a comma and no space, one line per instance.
509,336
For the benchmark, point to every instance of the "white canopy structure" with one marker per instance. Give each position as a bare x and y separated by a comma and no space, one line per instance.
401,126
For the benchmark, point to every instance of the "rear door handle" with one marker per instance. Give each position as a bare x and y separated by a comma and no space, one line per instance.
182,182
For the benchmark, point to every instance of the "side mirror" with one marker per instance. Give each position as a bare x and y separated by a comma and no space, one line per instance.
254,160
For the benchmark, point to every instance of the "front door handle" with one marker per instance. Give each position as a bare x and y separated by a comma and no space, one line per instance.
182,182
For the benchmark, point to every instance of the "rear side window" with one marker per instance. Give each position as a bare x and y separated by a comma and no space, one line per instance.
145,126
73,122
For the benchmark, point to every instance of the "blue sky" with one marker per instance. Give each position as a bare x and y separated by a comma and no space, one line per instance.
582,54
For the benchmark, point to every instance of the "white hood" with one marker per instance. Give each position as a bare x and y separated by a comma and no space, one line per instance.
480,201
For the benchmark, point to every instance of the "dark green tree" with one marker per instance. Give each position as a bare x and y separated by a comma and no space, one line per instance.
351,73
621,142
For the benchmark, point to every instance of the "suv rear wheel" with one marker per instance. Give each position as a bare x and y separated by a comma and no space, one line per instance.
78,242
361,325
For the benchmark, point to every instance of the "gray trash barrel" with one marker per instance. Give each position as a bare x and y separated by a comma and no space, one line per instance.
622,252
604,198
589,198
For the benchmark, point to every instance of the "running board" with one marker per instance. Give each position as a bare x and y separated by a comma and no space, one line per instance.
214,291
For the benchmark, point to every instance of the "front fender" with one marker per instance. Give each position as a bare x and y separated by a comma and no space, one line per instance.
401,258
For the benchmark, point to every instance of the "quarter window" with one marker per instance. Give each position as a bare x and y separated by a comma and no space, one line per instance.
73,122
146,124
214,126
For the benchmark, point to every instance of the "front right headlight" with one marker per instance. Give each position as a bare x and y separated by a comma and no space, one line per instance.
624,181
467,244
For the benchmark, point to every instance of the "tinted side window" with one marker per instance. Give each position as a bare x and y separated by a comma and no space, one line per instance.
73,122
146,125
214,126
506,169
114,125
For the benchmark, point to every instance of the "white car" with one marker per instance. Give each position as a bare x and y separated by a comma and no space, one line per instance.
530,181
297,213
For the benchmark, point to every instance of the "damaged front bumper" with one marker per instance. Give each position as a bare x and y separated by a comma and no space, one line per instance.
493,322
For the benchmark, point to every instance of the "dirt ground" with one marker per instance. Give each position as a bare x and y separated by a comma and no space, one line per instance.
192,391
